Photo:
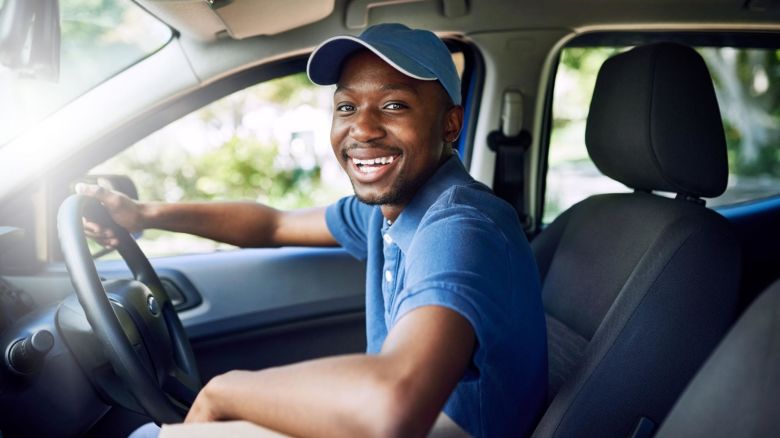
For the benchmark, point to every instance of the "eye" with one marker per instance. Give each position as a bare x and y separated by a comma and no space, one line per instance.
395,106
345,108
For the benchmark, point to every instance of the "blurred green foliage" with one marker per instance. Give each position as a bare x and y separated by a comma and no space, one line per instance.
747,83
575,80
238,167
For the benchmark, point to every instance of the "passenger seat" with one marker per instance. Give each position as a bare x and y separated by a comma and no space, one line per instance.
639,288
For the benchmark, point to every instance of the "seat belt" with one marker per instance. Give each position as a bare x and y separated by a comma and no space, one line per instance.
509,143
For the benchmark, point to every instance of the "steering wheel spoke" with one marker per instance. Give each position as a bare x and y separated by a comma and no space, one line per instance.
180,386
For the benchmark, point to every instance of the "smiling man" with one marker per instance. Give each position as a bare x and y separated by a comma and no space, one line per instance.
453,309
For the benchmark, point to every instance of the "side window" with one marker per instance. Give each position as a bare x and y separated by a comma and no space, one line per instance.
268,143
747,85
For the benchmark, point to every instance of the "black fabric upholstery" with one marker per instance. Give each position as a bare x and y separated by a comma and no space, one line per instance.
565,348
737,391
655,123
637,288
650,283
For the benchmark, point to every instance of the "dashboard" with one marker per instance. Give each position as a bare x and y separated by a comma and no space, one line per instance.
43,389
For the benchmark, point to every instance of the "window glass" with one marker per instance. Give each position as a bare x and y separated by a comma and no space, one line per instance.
268,143
100,38
747,85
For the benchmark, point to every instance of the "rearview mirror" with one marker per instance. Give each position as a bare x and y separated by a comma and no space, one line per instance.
30,38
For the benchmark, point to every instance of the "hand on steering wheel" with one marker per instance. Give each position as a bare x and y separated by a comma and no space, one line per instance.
123,211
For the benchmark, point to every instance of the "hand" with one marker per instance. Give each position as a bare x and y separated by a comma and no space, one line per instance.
212,401
203,409
123,210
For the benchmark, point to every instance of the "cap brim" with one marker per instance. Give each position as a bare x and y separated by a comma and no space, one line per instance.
324,66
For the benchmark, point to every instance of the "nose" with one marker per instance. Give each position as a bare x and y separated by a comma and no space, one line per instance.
366,126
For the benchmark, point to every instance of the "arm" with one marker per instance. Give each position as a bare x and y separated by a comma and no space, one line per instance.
244,224
399,392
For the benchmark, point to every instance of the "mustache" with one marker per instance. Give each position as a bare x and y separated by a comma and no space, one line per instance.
391,150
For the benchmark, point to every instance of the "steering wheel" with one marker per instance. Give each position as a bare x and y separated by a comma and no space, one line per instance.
133,319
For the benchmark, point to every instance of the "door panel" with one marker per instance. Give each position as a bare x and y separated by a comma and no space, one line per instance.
756,226
282,344
267,307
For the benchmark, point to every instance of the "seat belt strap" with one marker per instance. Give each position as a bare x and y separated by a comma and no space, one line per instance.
510,143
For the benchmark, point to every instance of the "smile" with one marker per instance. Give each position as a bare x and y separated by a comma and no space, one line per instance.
372,165
369,170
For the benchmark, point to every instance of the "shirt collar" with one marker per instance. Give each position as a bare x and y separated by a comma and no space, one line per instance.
451,173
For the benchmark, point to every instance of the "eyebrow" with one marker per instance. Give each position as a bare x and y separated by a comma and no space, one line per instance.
340,88
402,87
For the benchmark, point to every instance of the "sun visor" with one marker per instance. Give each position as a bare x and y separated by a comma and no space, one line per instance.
206,19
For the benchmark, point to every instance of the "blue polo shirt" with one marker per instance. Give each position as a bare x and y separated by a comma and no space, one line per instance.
459,246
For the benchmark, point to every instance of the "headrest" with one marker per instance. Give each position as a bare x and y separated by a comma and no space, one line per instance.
654,122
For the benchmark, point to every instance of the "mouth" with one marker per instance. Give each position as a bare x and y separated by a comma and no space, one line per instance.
368,170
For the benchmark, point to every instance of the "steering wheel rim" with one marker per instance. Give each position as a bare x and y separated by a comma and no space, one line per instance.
165,384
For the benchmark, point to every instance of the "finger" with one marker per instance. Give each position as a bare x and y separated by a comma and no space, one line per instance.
93,190
85,189
100,238
102,241
94,230
91,227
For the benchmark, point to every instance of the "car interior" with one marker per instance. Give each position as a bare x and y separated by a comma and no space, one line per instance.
636,140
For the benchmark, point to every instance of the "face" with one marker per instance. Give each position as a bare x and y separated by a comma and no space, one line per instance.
390,132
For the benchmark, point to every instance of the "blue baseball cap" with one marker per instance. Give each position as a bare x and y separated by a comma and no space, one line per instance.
417,53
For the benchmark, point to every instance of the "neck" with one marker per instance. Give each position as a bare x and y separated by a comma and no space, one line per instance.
391,212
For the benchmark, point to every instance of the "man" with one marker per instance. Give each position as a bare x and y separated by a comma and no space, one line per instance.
453,309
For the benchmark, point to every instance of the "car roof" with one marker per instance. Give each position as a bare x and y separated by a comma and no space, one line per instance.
239,19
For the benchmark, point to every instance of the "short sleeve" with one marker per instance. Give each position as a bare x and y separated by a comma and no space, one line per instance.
459,260
347,220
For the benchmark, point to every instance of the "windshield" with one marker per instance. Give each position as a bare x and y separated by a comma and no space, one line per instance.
100,38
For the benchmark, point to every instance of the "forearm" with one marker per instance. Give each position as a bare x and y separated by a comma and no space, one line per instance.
399,392
352,395
244,224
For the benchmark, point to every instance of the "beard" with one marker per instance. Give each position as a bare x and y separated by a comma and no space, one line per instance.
401,191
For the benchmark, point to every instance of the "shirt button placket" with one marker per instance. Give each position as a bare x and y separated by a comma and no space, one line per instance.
390,252
388,273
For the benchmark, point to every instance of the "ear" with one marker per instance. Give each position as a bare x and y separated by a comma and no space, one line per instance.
453,123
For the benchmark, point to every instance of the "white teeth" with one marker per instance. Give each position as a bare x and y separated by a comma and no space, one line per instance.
368,169
373,161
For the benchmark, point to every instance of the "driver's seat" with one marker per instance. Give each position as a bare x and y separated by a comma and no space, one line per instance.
638,288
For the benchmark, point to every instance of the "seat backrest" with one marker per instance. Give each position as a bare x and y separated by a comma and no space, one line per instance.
638,288
737,391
